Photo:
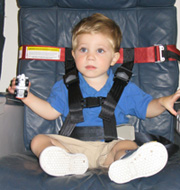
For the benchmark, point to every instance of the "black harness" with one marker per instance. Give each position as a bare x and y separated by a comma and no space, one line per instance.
108,105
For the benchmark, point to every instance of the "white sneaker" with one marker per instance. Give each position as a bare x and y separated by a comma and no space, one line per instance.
146,161
56,161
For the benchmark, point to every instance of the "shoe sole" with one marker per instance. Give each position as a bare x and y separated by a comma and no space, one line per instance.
56,161
148,160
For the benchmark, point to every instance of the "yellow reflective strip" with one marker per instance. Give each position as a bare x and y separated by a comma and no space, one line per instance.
43,49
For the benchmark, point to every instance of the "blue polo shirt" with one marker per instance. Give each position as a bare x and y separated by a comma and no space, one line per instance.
133,101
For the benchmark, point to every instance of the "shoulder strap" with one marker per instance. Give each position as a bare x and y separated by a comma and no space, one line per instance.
121,79
71,80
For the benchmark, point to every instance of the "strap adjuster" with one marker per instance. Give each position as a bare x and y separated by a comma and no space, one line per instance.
159,49
91,102
70,78
123,74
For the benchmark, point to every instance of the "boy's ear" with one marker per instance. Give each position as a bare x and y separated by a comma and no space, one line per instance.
115,58
72,52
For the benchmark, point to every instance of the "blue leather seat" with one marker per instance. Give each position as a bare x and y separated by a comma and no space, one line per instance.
49,23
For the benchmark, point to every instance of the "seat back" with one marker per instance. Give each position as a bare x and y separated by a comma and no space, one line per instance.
143,23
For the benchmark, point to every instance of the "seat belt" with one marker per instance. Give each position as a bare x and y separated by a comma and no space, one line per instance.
153,54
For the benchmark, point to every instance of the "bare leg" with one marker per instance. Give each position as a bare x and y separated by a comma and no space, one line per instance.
40,142
119,150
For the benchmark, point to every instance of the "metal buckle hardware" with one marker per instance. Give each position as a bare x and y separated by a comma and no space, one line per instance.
161,49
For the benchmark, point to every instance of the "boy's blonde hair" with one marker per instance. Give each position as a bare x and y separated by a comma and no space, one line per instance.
98,23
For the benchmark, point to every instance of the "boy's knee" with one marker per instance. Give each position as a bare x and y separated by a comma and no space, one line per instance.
125,145
131,144
36,141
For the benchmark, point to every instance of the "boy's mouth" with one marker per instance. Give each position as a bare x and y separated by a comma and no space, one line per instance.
90,67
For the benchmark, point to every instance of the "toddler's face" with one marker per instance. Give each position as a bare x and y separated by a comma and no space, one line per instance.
94,55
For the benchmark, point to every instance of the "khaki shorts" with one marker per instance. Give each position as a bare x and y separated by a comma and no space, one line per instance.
95,151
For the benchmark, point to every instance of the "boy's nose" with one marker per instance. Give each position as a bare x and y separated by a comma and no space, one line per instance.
90,56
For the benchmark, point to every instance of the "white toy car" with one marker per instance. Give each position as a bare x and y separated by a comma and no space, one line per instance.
22,83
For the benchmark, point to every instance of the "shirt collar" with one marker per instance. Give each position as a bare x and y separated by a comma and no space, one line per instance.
89,91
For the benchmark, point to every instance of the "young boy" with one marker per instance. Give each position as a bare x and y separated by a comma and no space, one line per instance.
95,48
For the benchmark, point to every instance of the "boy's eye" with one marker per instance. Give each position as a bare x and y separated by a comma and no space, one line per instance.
100,50
83,50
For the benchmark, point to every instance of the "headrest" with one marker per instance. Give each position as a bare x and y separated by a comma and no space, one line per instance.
94,4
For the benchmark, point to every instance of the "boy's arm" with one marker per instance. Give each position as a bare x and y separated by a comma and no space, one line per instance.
159,105
37,105
41,107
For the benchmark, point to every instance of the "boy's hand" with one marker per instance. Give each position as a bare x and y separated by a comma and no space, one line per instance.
159,105
168,102
13,87
36,104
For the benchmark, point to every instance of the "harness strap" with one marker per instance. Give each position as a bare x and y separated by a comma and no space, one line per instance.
95,133
152,54
171,53
71,80
121,79
141,138
66,131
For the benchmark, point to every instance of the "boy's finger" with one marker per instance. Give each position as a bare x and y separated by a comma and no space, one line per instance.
10,90
173,112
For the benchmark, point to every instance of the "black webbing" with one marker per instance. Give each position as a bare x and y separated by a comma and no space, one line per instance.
173,55
169,54
88,133
71,80
66,131
69,61
141,138
128,55
121,79
91,102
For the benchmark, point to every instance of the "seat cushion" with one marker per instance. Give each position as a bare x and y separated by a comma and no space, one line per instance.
22,171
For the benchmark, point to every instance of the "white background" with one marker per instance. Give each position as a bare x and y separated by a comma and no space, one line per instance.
11,44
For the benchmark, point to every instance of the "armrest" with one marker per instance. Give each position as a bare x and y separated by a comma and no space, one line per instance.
11,125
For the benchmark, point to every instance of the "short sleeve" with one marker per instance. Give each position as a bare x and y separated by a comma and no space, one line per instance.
59,98
134,101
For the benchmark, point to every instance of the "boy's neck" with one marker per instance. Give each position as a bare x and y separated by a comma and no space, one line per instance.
95,83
